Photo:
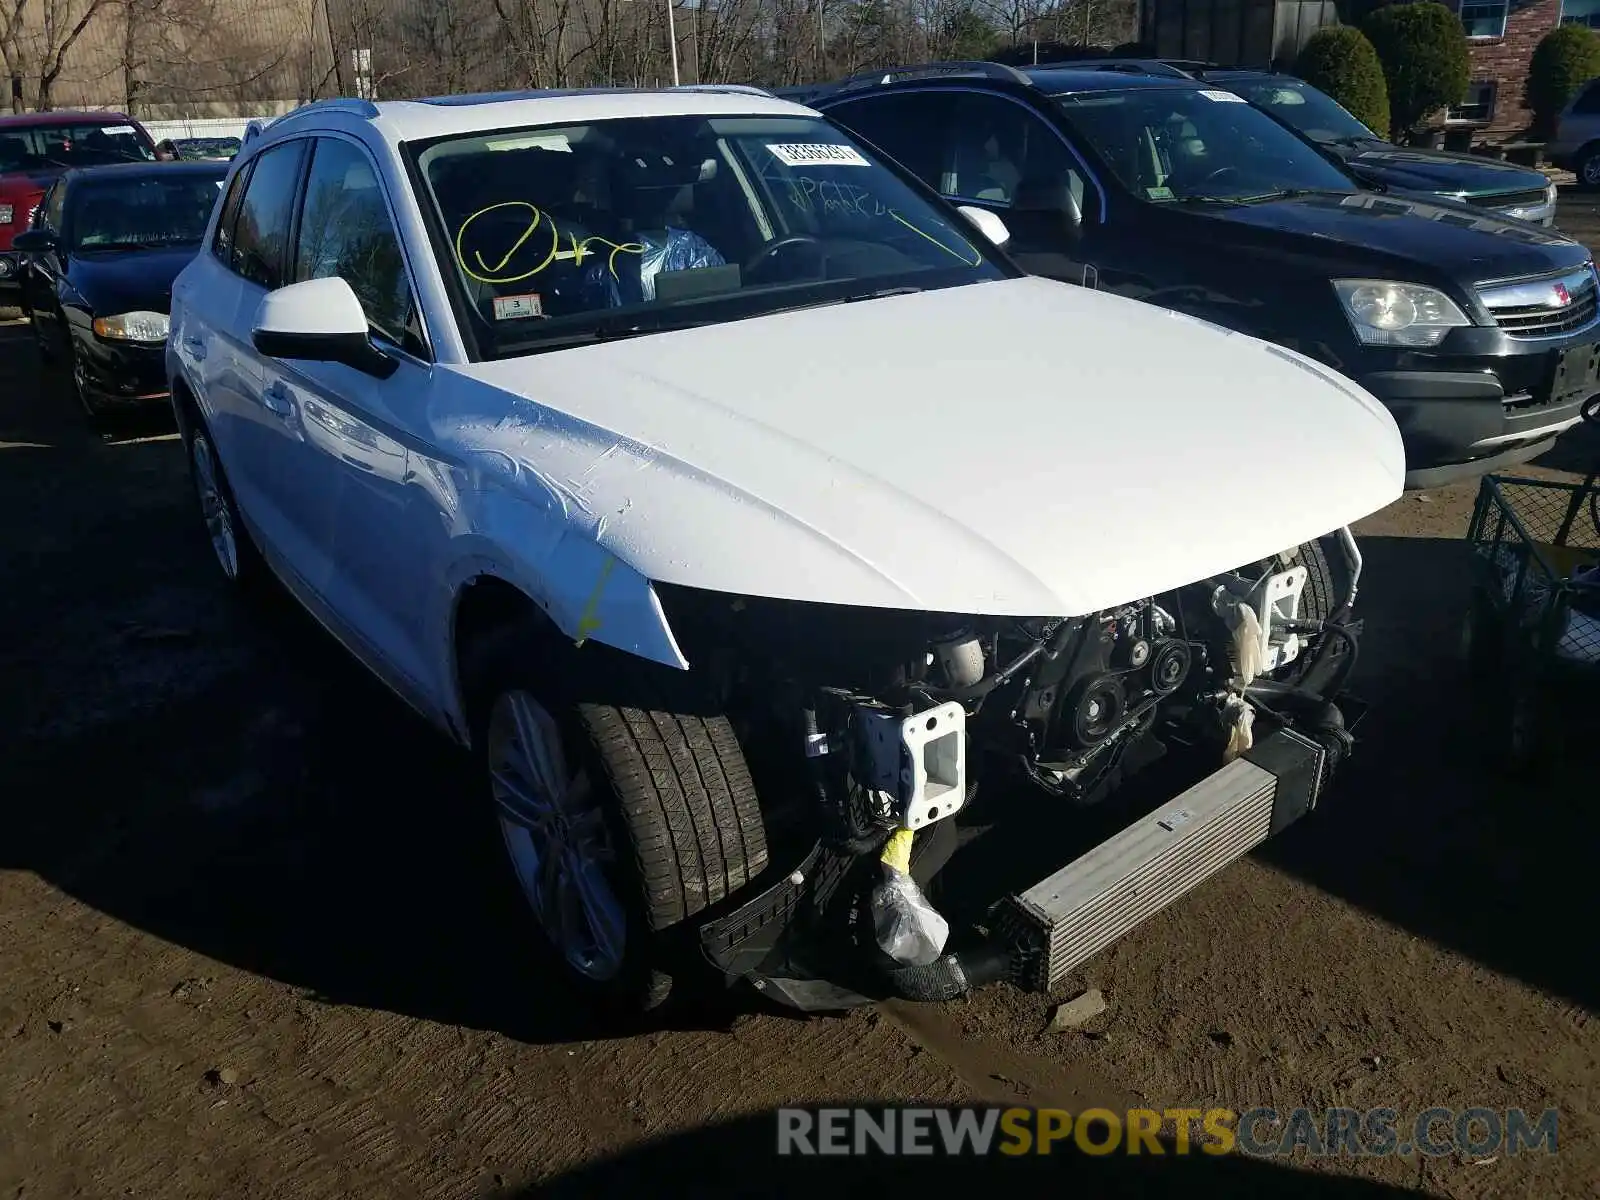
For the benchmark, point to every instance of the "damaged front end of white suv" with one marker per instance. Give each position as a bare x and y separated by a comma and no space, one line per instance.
1155,742
1018,645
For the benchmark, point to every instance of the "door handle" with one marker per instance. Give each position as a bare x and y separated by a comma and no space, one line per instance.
196,348
277,399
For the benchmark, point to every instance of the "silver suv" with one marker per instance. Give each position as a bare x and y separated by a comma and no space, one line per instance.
1576,144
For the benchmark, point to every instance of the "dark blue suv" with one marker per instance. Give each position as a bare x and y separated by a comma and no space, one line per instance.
1480,333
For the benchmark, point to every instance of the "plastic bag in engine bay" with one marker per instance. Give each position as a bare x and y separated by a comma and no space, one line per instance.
908,928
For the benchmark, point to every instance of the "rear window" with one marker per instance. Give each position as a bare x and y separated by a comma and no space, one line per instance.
86,144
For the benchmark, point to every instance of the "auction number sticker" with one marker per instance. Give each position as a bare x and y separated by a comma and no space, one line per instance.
518,308
1221,97
816,154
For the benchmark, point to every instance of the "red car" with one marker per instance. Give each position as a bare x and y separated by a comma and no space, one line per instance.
37,147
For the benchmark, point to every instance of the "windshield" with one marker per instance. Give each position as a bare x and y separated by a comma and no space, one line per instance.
621,227
1170,145
47,147
194,149
1316,114
139,213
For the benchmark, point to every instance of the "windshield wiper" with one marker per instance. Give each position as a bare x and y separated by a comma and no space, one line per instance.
605,333
1279,194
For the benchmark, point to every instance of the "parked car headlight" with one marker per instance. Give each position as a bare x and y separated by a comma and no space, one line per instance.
133,327
1386,313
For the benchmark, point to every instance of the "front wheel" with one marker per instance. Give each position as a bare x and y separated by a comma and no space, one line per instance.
620,822
80,384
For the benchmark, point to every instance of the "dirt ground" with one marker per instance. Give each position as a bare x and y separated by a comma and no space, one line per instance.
244,952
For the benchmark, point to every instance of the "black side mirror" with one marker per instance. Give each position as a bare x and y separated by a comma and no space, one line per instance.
1044,209
34,241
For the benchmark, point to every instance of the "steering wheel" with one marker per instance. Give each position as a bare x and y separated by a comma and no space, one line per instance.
1219,173
772,249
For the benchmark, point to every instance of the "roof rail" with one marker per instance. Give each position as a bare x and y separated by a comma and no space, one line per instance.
1130,66
736,89
365,109
955,68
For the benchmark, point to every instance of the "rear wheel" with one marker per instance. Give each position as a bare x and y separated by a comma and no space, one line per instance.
230,542
622,822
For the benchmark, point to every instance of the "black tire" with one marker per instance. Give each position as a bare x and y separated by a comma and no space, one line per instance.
1586,166
91,410
1325,588
678,798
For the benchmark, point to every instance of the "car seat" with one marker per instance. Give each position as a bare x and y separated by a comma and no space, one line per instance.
468,190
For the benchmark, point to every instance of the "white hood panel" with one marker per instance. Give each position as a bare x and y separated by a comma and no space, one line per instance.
1022,447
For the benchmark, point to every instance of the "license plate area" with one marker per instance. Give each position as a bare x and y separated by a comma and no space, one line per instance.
1577,374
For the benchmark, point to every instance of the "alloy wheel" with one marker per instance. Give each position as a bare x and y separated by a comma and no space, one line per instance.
555,833
214,506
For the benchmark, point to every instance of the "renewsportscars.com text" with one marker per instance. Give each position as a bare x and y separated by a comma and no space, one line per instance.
1260,1132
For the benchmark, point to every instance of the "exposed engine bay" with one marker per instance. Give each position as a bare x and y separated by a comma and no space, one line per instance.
902,713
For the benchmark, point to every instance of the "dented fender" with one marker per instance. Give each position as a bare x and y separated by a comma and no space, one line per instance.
587,592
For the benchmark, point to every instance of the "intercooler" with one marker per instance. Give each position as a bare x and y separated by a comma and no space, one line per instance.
1071,915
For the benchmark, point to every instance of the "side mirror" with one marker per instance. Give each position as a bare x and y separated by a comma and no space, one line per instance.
986,223
34,241
319,320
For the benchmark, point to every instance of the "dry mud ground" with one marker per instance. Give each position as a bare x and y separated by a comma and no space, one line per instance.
243,949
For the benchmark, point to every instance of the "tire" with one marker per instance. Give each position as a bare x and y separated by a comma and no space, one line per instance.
235,553
1324,591
666,781
91,410
1586,166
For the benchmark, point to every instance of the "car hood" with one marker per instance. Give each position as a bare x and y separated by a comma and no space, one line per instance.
1442,172
1020,447
128,280
1465,243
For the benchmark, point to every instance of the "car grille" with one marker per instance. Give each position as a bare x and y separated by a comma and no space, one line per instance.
1509,199
1527,309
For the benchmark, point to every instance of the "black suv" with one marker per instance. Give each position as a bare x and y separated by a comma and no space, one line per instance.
1506,188
1482,335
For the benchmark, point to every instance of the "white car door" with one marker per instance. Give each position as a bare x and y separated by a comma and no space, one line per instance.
258,429
205,299
371,529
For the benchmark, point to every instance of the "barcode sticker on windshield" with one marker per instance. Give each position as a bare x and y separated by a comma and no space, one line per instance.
518,308
816,154
1220,96
109,129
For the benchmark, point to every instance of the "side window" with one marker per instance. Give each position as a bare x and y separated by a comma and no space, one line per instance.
1000,149
222,243
261,234
345,231
906,126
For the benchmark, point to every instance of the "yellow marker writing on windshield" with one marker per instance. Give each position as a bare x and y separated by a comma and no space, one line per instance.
493,274
975,261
